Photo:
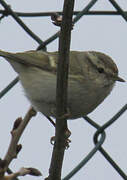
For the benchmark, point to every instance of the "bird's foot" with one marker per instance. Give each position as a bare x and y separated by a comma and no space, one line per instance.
57,20
67,135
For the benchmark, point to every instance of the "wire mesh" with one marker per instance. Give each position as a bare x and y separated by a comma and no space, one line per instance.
42,45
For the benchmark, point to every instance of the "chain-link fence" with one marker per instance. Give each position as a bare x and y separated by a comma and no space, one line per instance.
42,45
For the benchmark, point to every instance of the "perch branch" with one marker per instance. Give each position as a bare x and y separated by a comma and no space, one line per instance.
61,93
14,147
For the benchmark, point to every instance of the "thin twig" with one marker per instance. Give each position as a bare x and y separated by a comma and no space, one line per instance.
61,97
22,172
16,134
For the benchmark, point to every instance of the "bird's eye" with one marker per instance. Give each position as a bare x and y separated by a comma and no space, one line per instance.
100,70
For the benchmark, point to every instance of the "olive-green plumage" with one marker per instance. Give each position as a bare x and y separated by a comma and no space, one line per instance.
92,76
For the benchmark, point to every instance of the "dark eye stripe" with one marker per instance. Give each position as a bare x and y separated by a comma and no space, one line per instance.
100,70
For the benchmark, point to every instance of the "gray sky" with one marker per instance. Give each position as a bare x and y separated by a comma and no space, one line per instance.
106,34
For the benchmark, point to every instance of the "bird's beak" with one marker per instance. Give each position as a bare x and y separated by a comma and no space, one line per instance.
120,79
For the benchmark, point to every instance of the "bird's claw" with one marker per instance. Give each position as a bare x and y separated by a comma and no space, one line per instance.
57,20
67,135
53,139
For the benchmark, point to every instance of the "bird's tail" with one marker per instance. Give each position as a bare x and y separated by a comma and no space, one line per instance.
30,58
13,60
5,54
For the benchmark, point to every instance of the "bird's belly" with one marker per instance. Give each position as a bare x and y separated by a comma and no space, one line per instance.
41,91
39,87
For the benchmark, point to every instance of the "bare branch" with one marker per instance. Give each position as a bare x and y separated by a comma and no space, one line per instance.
22,172
14,148
61,97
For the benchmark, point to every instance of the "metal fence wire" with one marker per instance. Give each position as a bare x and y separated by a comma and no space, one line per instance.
42,45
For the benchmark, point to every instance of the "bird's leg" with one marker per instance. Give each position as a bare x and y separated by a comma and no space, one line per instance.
66,115
67,133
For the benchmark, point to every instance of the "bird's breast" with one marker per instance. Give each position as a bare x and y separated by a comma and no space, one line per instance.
40,87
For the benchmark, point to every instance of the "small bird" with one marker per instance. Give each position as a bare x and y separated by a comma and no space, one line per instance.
92,76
